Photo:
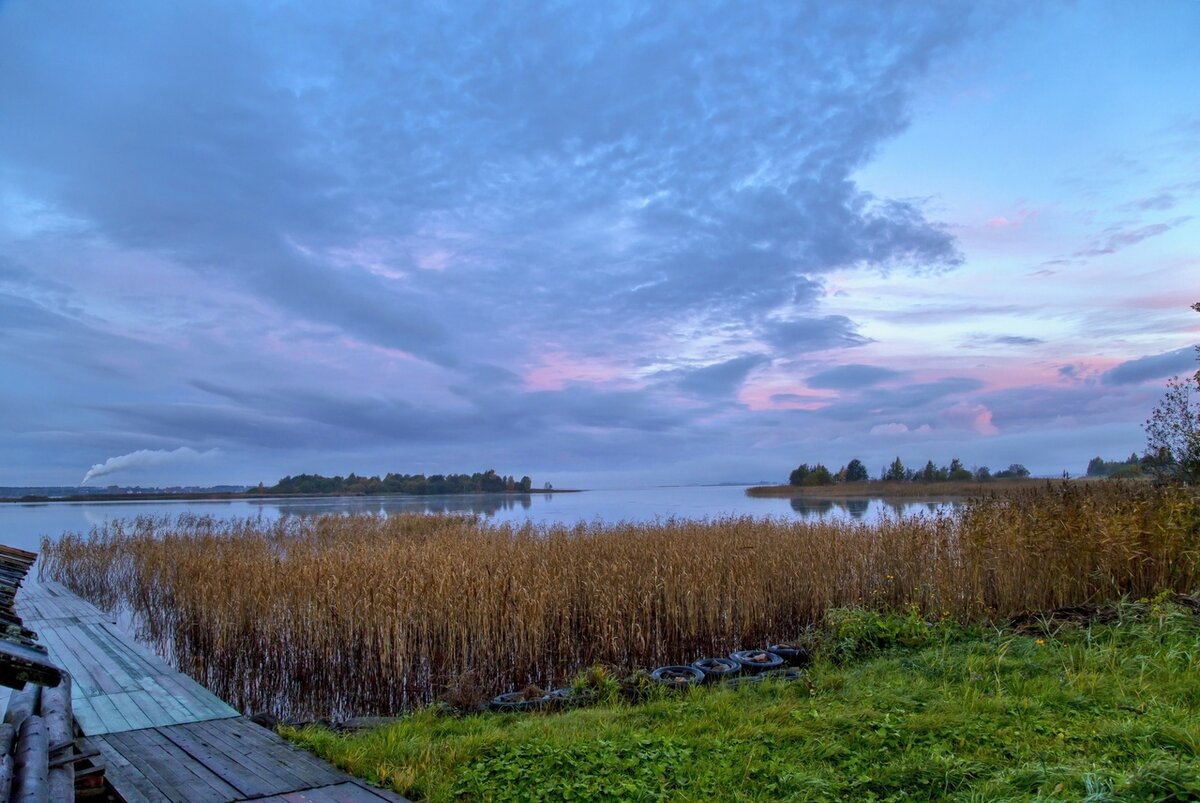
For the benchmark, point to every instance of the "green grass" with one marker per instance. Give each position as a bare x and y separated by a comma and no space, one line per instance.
893,709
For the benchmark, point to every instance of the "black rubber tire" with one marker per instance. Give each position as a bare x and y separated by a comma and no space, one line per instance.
717,669
745,659
677,677
566,697
792,655
512,702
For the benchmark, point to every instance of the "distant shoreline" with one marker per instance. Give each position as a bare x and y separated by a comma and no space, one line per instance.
200,496
871,489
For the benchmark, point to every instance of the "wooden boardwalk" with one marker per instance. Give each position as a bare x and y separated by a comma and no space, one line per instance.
163,736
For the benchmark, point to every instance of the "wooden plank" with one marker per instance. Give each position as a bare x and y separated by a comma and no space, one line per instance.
130,711
162,735
129,781
85,716
85,655
265,753
122,669
159,706
348,792
111,720
202,702
84,684
229,768
174,775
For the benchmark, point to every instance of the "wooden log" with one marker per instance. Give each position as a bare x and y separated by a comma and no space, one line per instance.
6,774
56,711
31,763
61,785
22,704
7,734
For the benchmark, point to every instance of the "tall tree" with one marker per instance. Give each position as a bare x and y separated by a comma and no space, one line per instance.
856,471
1173,430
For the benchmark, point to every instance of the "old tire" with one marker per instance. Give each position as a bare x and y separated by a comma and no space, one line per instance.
755,661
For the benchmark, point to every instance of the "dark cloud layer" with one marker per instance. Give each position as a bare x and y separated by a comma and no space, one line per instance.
851,376
567,236
1154,366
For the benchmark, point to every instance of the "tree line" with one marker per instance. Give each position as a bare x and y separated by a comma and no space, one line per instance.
1133,466
856,471
410,484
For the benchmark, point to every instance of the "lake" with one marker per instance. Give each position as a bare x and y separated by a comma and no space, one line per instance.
23,525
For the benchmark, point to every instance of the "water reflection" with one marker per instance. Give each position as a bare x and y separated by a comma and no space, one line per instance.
23,525
810,508
486,505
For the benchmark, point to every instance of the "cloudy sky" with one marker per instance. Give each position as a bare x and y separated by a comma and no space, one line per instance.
599,243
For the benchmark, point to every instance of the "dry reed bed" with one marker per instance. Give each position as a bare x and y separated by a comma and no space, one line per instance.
365,614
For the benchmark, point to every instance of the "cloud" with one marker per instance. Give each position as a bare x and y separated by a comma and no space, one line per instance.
720,379
145,458
812,334
1117,238
1018,340
851,377
605,167
889,429
1154,366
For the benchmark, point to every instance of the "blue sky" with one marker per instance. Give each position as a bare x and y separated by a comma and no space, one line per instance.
600,244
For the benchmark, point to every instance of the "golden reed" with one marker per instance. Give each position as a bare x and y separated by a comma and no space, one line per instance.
339,614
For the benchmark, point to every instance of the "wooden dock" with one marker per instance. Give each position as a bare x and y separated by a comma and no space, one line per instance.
161,734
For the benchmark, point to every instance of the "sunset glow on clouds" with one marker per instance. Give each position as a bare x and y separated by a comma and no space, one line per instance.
599,245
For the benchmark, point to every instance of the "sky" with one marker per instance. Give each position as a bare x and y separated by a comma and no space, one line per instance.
602,244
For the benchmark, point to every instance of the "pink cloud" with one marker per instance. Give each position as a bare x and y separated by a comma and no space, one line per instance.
971,415
1018,219
556,369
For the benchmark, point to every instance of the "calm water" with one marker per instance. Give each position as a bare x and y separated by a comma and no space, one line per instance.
23,525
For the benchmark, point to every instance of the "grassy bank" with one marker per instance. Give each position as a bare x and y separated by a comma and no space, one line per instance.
897,490
340,615
893,709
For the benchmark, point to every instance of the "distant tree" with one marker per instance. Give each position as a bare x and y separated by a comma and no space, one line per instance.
895,472
818,475
526,484
1173,430
1014,471
799,474
1173,433
1095,467
957,472
983,474
856,471
929,473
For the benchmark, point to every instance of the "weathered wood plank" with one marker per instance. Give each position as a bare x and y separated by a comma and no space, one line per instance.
84,684
111,720
171,772
162,735
229,768
265,753
121,774
348,792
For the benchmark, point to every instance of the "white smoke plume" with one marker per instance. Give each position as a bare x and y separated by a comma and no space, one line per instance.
144,458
